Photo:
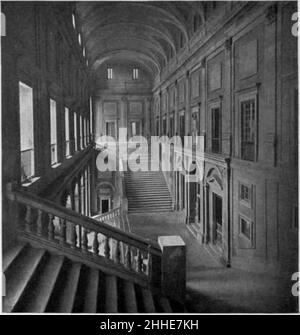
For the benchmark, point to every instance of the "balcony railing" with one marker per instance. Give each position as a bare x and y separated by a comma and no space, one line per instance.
55,227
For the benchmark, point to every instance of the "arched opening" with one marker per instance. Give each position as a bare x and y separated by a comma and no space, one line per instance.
105,198
214,209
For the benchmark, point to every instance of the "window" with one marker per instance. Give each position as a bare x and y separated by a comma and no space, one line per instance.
79,39
133,128
109,73
83,52
216,130
245,193
75,132
80,132
26,131
67,132
248,129
110,128
53,132
246,228
135,73
73,21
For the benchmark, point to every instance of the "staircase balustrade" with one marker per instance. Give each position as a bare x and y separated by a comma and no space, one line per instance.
54,226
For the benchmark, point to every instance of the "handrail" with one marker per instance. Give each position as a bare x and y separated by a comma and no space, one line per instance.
54,226
84,221
107,215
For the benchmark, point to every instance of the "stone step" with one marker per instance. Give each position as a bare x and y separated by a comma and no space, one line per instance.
66,288
11,254
129,297
37,294
19,275
145,202
91,293
111,294
148,301
143,211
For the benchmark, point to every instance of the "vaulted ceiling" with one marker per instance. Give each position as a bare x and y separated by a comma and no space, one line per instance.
143,32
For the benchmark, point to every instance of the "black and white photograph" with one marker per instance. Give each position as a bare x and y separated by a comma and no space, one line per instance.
149,159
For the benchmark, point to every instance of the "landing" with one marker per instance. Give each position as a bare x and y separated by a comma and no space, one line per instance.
212,288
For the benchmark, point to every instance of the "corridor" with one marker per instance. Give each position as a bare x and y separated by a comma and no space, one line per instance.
211,287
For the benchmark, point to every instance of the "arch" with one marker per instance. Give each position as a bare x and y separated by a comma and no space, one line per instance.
105,184
214,174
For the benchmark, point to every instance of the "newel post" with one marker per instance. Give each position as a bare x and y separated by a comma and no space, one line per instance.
173,267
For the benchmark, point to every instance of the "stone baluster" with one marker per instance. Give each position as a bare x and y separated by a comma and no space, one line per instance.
106,248
62,231
84,240
51,228
128,257
96,244
39,227
28,219
73,236
118,252
139,262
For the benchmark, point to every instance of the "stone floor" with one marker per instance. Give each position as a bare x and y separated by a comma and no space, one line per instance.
211,287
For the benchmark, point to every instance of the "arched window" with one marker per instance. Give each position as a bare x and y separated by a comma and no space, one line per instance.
73,21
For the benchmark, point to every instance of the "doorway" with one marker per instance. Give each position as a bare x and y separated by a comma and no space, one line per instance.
104,205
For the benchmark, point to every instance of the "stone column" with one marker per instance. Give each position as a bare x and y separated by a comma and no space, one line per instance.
147,117
176,108
206,214
98,118
227,106
160,113
202,119
187,105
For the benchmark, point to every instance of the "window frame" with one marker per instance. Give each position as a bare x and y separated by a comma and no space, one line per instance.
109,73
135,73
33,149
214,106
67,132
251,95
246,203
75,135
53,164
252,234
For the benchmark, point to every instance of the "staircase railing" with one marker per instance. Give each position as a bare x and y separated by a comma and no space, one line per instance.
56,227
111,216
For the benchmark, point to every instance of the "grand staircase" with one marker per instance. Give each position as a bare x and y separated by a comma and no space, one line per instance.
40,281
65,262
147,191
